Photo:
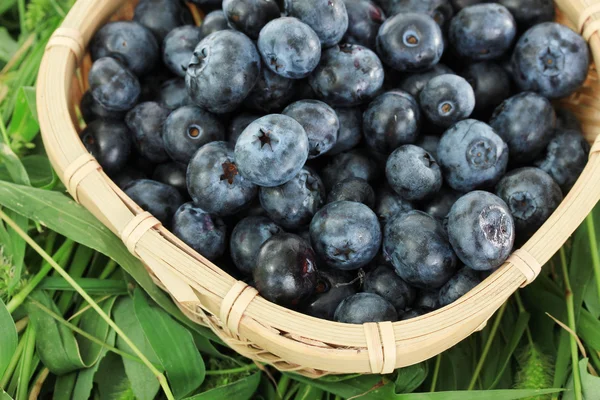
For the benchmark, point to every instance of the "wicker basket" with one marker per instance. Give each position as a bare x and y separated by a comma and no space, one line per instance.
251,325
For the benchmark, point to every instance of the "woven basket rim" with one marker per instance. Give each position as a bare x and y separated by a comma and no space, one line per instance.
251,325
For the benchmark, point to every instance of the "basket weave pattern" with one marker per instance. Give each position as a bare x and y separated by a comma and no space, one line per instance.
248,323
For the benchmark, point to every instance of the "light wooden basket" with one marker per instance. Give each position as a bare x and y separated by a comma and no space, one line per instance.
251,325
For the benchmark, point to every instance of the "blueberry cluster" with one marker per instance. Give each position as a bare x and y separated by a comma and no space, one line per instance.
355,160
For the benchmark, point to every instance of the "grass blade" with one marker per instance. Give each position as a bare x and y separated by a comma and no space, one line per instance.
243,389
8,338
511,346
94,286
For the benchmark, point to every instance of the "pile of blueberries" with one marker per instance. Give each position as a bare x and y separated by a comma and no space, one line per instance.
355,160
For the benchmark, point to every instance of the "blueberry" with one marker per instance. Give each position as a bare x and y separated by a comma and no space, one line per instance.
213,22
472,156
482,32
526,123
565,120
271,93
285,271
320,123
384,282
127,41
418,247
447,99
565,158
410,42
173,94
550,59
273,140
364,20
200,230
187,129
223,70
429,143
350,132
214,182
391,120
238,124
460,4
414,313
126,175
289,47
389,204
353,189
293,204
328,18
440,10
348,75
249,16
459,285
247,237
179,46
207,4
145,122
113,86
347,165
427,299
528,13
92,110
157,198
481,230
490,83
151,83
413,173
333,286
439,206
531,195
345,234
415,82
162,16
172,174
109,142
365,307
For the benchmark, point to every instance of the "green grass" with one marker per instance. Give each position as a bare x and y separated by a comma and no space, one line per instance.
80,318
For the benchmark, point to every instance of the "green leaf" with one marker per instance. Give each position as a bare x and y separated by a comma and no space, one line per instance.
23,124
4,395
63,388
85,378
92,323
410,378
508,394
307,392
590,385
143,382
174,346
240,390
110,377
508,351
8,46
589,330
38,169
92,286
13,165
8,338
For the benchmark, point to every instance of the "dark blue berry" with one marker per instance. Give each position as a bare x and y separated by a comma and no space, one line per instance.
289,47
565,120
320,123
293,204
365,307
238,124
157,198
439,206
333,286
550,59
526,123
247,237
348,75
482,31
391,120
162,16
440,10
410,42
413,173
418,247
481,230
353,189
528,13
145,122
285,271
447,99
189,128
364,20
490,83
353,164
429,143
459,285
250,16
415,82
350,132
472,156
92,110
214,182
328,18
179,46
427,299
109,142
271,150
389,204
172,174
113,86
200,230
460,4
384,282
414,313
127,175
173,94
213,22
565,158
224,68
271,93
127,41
345,234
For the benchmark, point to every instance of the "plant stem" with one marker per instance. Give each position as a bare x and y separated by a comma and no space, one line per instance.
245,368
571,323
487,347
25,369
283,384
12,365
161,378
436,372
290,393
111,265
38,383
594,249
21,4
521,311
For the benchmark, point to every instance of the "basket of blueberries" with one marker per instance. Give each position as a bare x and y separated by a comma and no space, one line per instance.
332,186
